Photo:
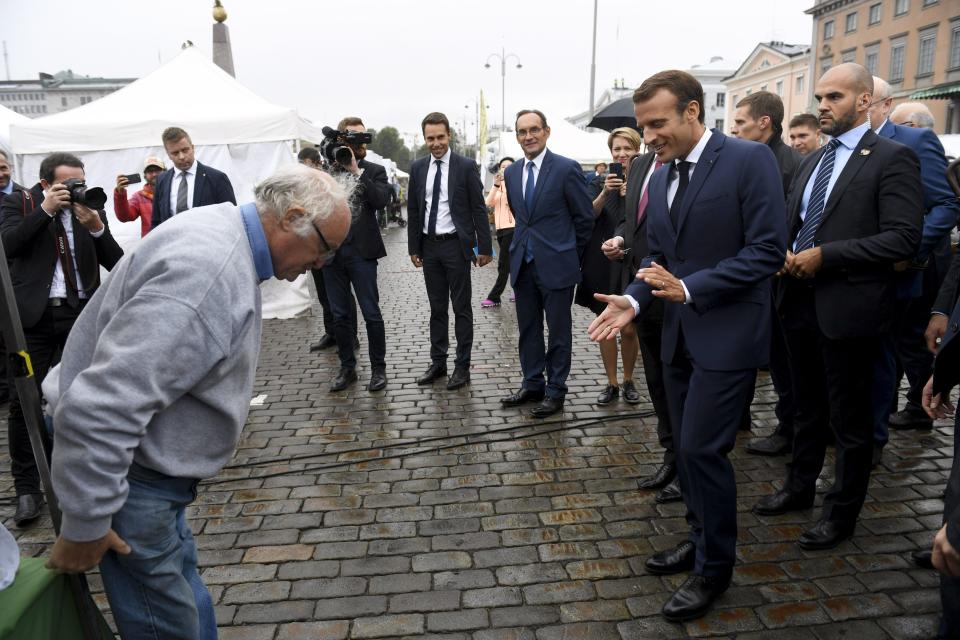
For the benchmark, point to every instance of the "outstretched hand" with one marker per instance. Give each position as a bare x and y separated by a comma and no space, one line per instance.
618,314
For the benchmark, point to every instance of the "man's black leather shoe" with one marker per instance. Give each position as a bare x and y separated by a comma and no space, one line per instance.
670,493
774,445
923,558
326,342
547,407
630,393
28,508
460,378
378,380
910,419
345,377
694,597
671,561
609,392
825,534
521,397
660,477
432,373
782,501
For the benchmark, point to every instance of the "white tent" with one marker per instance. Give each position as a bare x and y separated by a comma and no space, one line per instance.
7,118
234,130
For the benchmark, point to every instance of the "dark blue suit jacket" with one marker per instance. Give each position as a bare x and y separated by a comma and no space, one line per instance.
209,187
730,239
560,224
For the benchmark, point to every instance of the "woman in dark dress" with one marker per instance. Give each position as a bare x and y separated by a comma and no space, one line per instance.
600,275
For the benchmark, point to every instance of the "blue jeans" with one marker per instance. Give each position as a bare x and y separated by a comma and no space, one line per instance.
155,591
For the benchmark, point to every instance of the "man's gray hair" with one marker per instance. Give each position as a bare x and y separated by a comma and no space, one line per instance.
298,185
916,112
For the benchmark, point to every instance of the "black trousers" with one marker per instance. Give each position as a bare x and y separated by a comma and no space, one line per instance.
536,302
504,238
913,357
328,326
447,276
782,378
45,342
350,268
650,333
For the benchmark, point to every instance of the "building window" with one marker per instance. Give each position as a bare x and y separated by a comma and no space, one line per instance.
897,51
780,87
43,108
828,29
799,89
928,47
825,65
955,47
930,3
721,99
763,87
63,101
871,58
875,12
900,7
851,22
850,55
718,124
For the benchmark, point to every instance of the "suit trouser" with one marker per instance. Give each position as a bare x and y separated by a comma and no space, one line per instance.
44,340
833,381
705,410
650,333
504,238
535,301
446,274
950,587
328,327
781,377
350,268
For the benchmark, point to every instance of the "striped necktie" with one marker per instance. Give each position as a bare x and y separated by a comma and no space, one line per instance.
818,198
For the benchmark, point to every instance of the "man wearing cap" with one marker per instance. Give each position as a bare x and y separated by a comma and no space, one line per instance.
140,205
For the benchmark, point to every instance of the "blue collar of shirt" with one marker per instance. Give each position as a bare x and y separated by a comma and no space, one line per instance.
258,241
9,188
851,138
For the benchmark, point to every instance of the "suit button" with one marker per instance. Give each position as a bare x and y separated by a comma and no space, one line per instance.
954,327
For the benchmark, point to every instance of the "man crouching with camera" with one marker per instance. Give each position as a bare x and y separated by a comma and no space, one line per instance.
56,238
355,262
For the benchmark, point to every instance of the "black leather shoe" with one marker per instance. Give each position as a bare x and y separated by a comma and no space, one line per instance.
378,380
521,397
910,419
28,508
670,493
609,392
344,379
660,477
326,342
825,534
694,597
547,407
432,373
676,560
782,501
630,393
923,558
775,445
460,378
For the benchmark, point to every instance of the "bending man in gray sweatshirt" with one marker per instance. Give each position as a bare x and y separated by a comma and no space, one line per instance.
155,383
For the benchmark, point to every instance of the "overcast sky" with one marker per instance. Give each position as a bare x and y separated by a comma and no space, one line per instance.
391,62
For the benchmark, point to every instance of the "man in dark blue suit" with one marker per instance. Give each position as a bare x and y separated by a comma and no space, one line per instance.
548,196
445,223
716,232
187,184
918,279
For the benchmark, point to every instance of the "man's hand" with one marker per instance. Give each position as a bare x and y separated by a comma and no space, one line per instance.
613,248
417,262
787,265
352,167
664,284
57,198
122,182
618,314
936,329
804,265
935,406
945,558
89,218
482,260
76,557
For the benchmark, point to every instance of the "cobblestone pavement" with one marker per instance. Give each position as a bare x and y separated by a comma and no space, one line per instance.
418,512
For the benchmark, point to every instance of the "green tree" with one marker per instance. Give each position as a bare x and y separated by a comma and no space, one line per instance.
388,143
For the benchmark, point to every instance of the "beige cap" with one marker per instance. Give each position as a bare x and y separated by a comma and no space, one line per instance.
153,161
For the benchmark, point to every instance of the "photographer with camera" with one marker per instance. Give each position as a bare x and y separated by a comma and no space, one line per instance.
355,262
56,238
140,204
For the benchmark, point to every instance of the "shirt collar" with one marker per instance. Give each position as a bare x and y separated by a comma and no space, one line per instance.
258,241
882,125
695,153
538,161
851,138
9,188
445,158
192,170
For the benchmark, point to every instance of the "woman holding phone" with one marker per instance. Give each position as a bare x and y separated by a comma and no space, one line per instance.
504,222
600,275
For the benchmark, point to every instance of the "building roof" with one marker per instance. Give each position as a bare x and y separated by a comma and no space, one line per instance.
64,80
716,63
788,51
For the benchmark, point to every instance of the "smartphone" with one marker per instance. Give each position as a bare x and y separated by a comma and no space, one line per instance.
132,178
616,169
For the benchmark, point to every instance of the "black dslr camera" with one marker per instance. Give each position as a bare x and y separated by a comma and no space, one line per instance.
333,146
93,197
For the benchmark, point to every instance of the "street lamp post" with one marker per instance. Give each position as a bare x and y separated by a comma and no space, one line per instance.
503,56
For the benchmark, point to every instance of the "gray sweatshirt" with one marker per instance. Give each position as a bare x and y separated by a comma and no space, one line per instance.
159,367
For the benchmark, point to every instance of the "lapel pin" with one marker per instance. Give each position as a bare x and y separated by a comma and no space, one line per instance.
864,152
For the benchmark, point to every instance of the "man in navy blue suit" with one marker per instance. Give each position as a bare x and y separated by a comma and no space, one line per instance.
187,184
548,196
716,231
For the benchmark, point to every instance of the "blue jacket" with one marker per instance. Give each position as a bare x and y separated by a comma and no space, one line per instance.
209,187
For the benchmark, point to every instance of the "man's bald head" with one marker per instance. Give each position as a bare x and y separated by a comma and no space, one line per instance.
912,114
843,95
881,103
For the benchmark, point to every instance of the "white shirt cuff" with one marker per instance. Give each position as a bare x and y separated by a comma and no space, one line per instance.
686,293
97,234
634,304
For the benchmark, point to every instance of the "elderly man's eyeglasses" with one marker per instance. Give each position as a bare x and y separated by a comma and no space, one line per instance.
329,252
533,131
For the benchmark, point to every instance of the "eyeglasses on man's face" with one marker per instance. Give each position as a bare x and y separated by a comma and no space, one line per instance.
533,131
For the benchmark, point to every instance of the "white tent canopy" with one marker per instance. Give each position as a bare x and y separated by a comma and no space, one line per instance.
7,118
233,129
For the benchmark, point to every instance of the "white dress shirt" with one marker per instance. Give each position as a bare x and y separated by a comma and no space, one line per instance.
175,187
537,163
444,219
58,286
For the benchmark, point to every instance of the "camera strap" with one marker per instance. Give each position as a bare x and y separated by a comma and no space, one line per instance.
66,262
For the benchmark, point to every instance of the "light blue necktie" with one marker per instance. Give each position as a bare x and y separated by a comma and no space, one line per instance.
528,203
818,198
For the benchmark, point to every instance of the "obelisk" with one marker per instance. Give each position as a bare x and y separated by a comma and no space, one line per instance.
222,53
